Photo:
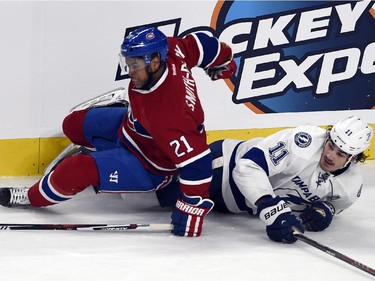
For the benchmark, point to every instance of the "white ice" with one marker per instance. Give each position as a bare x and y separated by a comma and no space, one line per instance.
232,247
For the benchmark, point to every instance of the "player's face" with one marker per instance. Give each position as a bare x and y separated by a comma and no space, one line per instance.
137,72
333,158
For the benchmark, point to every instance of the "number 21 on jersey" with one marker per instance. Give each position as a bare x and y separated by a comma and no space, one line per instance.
181,146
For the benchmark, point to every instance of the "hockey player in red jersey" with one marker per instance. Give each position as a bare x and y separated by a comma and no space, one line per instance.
144,147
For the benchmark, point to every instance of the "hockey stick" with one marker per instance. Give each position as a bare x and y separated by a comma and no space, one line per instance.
86,227
333,253
112,97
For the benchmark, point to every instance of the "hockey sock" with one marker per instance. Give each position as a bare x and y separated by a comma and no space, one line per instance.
73,127
71,176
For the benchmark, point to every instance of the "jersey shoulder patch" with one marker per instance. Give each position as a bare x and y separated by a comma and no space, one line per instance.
302,139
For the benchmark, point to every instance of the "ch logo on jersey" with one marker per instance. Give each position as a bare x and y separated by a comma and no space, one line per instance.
302,139
136,126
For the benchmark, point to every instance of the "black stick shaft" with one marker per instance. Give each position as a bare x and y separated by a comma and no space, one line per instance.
85,227
334,253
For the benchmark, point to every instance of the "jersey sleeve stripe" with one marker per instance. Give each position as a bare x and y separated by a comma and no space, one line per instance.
193,159
257,156
195,182
209,48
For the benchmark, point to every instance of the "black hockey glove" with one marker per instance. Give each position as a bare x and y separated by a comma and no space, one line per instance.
279,220
317,217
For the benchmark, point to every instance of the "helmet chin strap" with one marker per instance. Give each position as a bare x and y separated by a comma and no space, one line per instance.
348,161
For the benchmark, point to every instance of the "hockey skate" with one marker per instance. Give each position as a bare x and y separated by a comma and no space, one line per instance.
14,197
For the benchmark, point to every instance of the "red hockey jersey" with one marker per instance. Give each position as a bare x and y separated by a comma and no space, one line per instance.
164,126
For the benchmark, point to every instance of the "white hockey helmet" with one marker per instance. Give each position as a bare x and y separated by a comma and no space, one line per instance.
352,135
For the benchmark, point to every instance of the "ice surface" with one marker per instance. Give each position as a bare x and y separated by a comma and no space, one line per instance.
232,247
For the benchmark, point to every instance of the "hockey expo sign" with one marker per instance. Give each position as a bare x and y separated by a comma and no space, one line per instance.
295,56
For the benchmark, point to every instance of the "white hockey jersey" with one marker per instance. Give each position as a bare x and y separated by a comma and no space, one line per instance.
285,164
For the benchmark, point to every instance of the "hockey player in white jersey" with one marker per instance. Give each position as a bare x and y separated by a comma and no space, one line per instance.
296,178
308,170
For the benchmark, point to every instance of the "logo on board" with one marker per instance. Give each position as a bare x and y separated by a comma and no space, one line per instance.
295,56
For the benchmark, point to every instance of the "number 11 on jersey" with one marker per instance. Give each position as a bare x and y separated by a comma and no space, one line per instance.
277,153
